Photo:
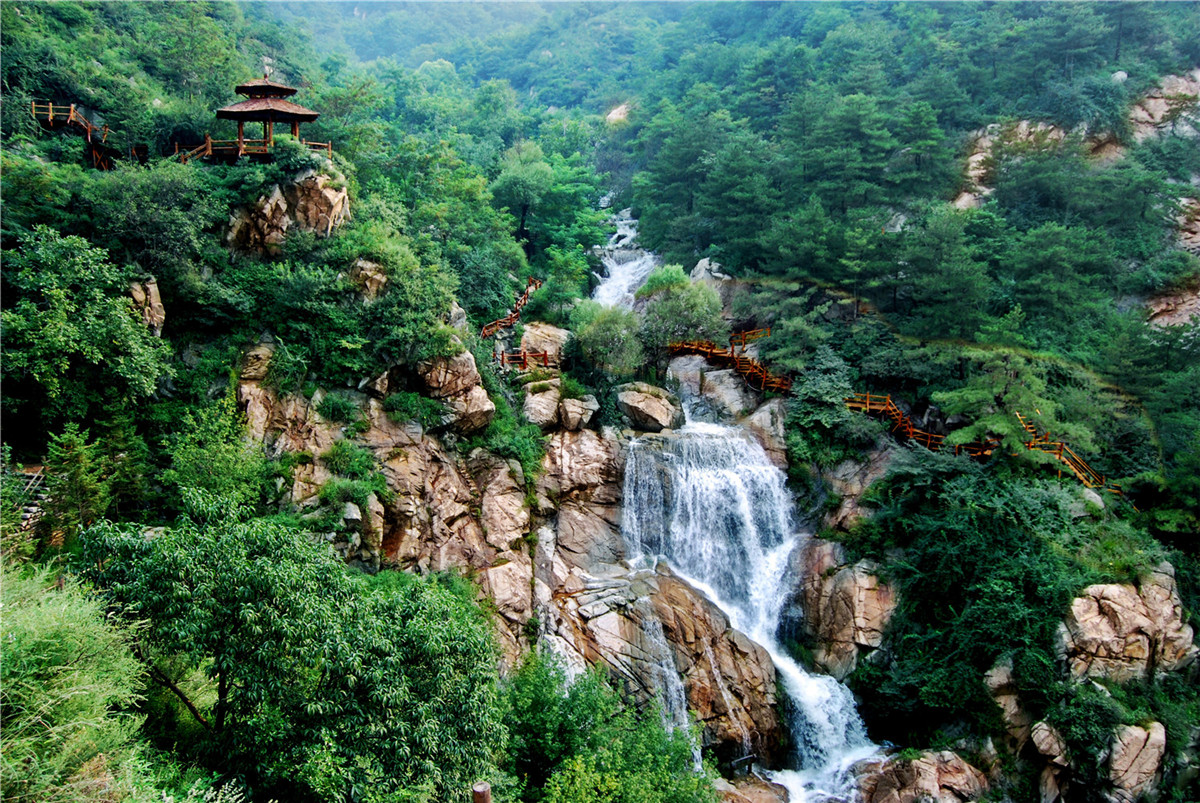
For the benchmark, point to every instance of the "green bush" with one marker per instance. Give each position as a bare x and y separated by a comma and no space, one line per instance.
348,459
338,408
661,278
405,406
571,388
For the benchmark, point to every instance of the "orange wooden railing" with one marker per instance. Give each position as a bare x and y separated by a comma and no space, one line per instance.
753,373
53,116
524,360
1038,441
508,320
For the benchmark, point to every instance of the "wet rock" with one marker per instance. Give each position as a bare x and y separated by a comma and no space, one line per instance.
650,409
1120,631
766,424
750,789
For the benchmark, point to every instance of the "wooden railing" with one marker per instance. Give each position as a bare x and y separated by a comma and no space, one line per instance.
232,147
753,373
69,116
524,360
511,318
1038,441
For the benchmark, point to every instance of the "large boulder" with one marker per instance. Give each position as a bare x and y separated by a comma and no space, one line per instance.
649,408
849,480
456,381
539,337
846,608
309,201
766,424
575,414
941,777
1135,762
369,277
541,403
1120,632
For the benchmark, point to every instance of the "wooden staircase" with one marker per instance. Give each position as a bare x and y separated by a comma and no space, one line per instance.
68,117
754,373
514,316
903,425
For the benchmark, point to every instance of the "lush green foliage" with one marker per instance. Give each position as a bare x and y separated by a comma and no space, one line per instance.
319,688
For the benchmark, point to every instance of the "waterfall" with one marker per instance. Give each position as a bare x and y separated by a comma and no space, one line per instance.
709,502
672,695
626,265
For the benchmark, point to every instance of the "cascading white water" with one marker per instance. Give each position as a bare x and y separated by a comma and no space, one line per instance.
709,502
627,266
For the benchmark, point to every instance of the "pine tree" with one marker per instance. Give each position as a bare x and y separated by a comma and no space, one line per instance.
77,495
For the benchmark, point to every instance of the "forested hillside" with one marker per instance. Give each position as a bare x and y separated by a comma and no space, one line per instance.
292,512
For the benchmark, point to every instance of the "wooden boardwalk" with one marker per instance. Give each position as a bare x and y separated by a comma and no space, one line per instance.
1038,441
68,117
754,373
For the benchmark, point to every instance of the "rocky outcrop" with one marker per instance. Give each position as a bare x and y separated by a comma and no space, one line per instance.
369,277
648,408
1161,106
1121,632
541,403
849,480
766,424
148,302
256,361
310,201
456,381
1135,761
943,777
539,337
1003,688
551,561
723,390
575,414
710,273
750,789
846,608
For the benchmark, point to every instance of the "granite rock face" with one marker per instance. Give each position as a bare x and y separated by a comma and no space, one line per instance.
943,777
1122,632
309,201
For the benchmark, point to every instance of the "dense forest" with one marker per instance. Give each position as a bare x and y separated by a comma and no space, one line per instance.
950,203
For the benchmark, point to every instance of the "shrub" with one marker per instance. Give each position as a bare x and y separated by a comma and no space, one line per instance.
339,408
571,388
661,278
406,406
348,459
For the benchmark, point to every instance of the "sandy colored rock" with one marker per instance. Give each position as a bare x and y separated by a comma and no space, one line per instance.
457,317
943,777
449,376
308,202
849,480
575,414
539,337
846,608
766,424
1177,307
149,304
471,411
256,361
1050,743
650,409
750,789
503,512
1003,689
1135,761
541,403
369,277
1120,631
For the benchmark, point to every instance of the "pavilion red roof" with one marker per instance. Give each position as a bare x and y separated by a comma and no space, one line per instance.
273,109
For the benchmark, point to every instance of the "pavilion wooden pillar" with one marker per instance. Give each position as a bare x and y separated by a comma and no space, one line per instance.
269,132
296,129
241,137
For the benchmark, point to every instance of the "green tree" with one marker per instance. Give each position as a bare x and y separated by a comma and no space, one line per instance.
524,178
213,453
77,494
71,331
317,684
949,286
690,312
608,337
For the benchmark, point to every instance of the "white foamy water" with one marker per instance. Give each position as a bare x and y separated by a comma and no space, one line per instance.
626,265
709,502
